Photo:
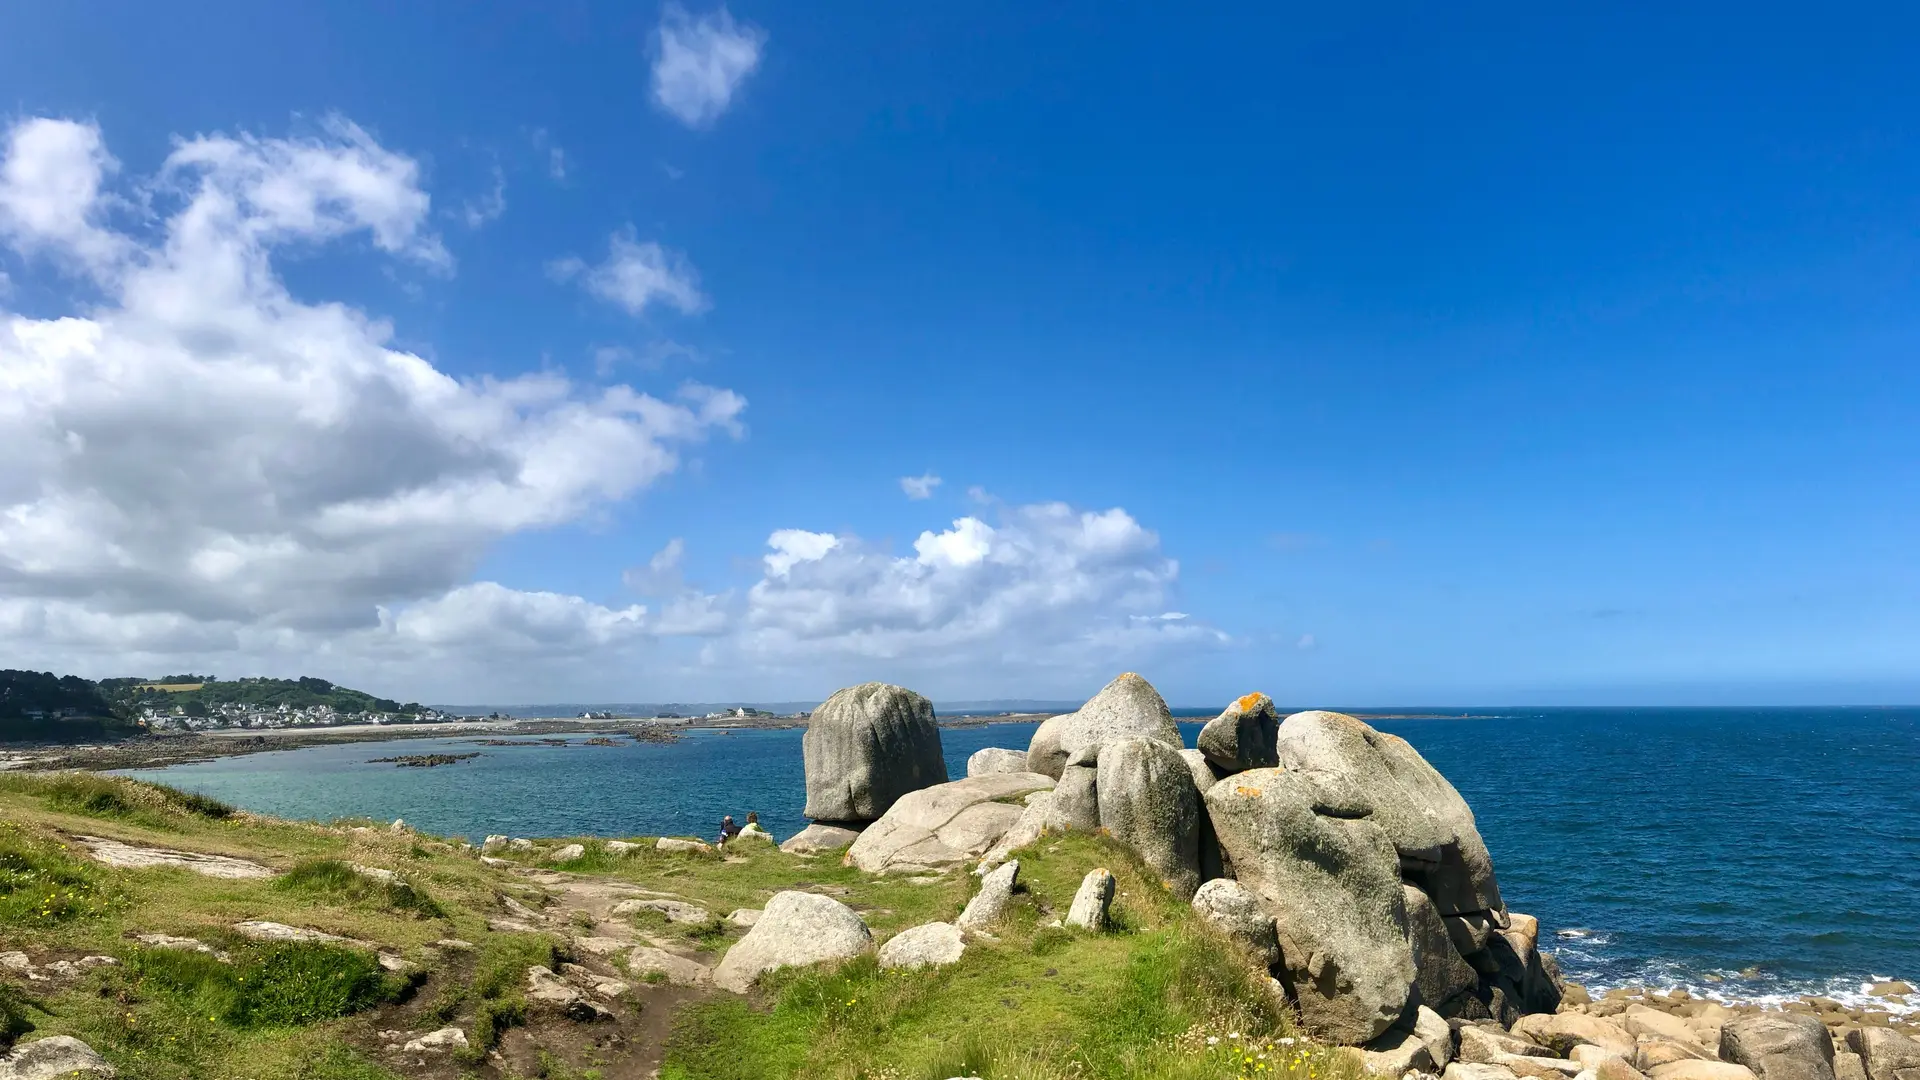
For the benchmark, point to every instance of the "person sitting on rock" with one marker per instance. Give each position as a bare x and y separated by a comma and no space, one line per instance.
728,830
753,825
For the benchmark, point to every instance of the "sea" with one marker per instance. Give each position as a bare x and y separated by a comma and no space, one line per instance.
1750,854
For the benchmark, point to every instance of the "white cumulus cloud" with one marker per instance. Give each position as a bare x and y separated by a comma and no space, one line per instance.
636,275
919,487
699,63
200,463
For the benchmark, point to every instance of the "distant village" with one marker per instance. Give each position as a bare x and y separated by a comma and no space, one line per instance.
237,715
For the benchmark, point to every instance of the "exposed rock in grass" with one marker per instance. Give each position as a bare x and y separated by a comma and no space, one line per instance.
127,856
987,905
56,1057
445,1040
671,843
674,910
945,825
678,970
818,838
931,945
1090,902
795,929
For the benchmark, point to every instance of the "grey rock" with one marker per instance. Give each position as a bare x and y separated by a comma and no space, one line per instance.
795,929
1242,737
1779,1046
993,759
1396,1052
1044,754
987,905
677,970
1443,976
1211,865
1238,912
934,944
1486,1045
1076,800
1091,901
56,1057
819,838
1462,1070
1848,1065
944,825
548,989
262,930
440,1041
621,847
1561,1032
1540,1068
1469,932
1882,1051
1436,1034
1641,1021
1127,707
569,853
675,910
694,847
1034,820
1702,1070
1430,825
743,916
127,856
1147,801
1329,875
865,747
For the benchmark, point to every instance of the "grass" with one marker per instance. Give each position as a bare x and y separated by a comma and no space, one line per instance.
153,805
13,1015
43,885
336,881
286,984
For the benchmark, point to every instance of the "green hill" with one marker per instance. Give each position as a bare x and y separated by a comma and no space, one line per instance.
196,695
42,706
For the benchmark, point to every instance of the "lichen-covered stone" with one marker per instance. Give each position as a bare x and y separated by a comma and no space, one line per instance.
1242,736
1148,802
865,747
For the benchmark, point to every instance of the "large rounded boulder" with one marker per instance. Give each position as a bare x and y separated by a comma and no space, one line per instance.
1330,877
945,825
1429,824
794,930
865,747
1147,800
1242,736
1127,707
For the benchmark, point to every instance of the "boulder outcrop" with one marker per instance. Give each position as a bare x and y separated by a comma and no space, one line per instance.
865,747
1242,737
1779,1046
1127,707
1443,976
818,838
995,760
1238,913
1147,800
944,825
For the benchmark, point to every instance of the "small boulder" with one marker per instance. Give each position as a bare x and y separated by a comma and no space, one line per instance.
745,916
934,944
1651,1051
987,905
621,847
1847,1065
993,759
819,838
1433,1030
1147,800
441,1041
794,929
570,852
944,825
1044,755
1484,1045
1463,1070
677,911
1076,799
674,843
1641,1021
1561,1032
646,960
1242,736
1779,1046
1882,1052
1702,1070
1091,901
865,747
1228,905
56,1057
1396,1052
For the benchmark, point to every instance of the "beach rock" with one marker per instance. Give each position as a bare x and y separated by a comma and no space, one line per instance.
677,970
569,853
987,905
1642,1021
1485,1045
1463,1070
1036,818
493,841
127,856
1330,878
1882,1052
1539,1068
1091,901
1561,1032
818,838
1396,1052
1613,1068
1779,1046
1242,737
1520,972
944,825
441,1041
1076,800
1702,1070
795,929
865,747
1848,1066
675,910
622,848
1147,801
1429,824
1445,979
935,944
672,843
1044,755
1652,1051
995,760
1588,1056
56,1057
1238,912
1436,1034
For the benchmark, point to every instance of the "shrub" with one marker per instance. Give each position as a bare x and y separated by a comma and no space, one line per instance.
41,885
339,882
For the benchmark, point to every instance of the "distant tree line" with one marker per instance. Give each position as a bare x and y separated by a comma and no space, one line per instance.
42,706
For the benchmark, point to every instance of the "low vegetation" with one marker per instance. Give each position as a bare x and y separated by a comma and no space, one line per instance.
1161,997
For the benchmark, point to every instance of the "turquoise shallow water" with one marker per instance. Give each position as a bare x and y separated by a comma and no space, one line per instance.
1669,845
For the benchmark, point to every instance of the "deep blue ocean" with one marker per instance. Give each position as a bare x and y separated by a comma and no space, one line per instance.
1737,852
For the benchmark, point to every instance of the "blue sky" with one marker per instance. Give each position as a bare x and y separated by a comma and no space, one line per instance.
1407,356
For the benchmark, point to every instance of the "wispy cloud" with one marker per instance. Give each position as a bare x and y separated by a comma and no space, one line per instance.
699,63
919,487
488,207
636,275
